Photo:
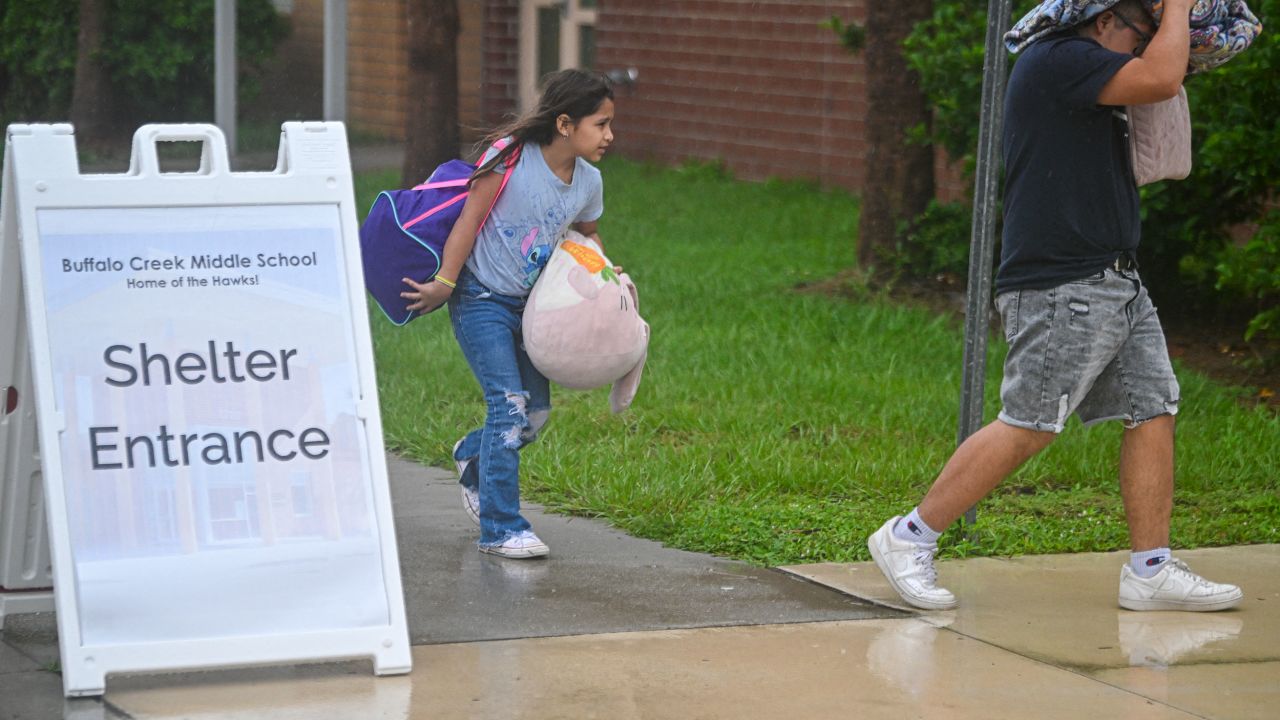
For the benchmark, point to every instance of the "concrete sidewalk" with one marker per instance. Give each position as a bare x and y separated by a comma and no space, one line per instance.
615,627
597,581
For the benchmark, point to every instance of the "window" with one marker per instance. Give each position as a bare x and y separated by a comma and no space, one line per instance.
554,34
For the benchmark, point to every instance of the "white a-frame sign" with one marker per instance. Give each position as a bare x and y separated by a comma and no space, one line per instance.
211,445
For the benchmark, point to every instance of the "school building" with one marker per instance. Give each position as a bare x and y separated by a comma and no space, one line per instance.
760,86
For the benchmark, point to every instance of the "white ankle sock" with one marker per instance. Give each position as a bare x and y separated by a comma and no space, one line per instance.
1148,562
913,529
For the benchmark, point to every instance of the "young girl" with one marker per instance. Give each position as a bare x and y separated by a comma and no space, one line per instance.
486,278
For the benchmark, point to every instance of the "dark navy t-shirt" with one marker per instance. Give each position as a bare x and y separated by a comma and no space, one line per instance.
1070,203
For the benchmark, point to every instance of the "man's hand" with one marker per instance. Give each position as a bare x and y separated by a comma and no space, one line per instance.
426,297
1157,73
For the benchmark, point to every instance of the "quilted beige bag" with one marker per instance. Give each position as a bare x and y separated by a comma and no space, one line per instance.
1160,139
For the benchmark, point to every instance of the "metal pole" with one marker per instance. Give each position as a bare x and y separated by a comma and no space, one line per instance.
335,60
224,70
982,239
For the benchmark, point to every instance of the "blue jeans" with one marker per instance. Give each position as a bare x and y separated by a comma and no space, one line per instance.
517,400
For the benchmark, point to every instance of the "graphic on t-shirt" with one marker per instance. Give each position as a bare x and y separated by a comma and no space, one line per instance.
529,220
535,257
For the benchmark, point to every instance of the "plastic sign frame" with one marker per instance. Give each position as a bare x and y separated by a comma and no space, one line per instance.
213,456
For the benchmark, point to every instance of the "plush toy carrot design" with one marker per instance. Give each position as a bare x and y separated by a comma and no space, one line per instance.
589,259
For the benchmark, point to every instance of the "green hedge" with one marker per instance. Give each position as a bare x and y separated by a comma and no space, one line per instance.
159,55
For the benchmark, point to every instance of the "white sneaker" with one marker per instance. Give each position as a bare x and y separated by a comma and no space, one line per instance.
470,498
1175,587
909,568
519,546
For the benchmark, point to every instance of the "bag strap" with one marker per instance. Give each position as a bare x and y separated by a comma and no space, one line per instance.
511,166
442,184
461,182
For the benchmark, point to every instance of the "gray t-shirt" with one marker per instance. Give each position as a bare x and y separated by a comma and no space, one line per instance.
531,217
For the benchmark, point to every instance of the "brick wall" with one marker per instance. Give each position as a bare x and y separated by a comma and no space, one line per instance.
757,84
470,69
376,62
500,48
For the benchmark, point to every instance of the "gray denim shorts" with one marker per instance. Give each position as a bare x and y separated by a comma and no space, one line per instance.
1093,347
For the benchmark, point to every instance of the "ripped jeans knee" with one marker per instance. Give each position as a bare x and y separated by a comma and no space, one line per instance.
520,425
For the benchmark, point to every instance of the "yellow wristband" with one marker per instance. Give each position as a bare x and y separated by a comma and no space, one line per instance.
446,282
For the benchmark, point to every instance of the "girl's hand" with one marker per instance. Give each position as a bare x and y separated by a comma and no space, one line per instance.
426,297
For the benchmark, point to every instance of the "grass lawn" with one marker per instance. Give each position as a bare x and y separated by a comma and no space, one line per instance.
778,425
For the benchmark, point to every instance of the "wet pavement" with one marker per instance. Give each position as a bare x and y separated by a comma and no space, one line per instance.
597,579
616,627
1060,611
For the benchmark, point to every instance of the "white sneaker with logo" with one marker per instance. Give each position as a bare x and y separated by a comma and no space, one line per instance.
520,546
908,567
470,498
1175,587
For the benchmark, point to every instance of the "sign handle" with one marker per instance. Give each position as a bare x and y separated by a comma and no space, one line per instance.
145,161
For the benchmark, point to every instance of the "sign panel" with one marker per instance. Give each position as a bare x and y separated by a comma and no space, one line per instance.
26,572
218,494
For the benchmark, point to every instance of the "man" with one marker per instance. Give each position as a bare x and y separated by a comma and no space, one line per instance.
1083,335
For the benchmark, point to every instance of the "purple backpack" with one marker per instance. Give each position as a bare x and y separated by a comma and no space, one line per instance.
405,230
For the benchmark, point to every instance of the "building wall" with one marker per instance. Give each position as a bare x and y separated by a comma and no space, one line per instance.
376,62
377,57
500,41
758,84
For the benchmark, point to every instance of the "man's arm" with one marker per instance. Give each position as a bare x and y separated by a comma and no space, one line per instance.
1157,74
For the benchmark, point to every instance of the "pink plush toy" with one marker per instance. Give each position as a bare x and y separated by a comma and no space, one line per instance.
582,324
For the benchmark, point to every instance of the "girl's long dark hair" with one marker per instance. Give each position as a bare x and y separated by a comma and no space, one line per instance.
572,92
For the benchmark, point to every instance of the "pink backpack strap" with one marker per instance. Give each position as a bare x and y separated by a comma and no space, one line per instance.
499,145
511,166
453,200
461,182
442,184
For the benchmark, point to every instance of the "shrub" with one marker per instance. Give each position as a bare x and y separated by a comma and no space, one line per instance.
1253,271
1186,244
937,241
947,52
159,55
37,58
